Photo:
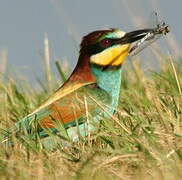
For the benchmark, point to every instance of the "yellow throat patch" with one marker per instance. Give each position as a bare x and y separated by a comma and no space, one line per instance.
112,56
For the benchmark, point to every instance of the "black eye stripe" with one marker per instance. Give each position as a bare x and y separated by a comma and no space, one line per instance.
98,47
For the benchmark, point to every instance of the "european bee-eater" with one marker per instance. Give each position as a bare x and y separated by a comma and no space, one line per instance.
93,89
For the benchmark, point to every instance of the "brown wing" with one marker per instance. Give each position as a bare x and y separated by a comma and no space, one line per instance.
74,106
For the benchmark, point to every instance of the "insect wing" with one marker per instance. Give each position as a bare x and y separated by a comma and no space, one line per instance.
139,46
159,28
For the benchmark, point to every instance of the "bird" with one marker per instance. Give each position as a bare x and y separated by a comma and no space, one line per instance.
90,93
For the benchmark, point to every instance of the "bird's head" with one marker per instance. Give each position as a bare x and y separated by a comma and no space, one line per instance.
109,47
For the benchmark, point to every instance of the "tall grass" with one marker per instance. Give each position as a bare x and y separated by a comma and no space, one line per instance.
150,110
143,140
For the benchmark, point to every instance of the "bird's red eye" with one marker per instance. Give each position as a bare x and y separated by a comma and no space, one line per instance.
106,42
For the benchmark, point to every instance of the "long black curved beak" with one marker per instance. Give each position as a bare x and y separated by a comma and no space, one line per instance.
133,36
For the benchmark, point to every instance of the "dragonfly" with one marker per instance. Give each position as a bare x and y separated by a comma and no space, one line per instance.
160,29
